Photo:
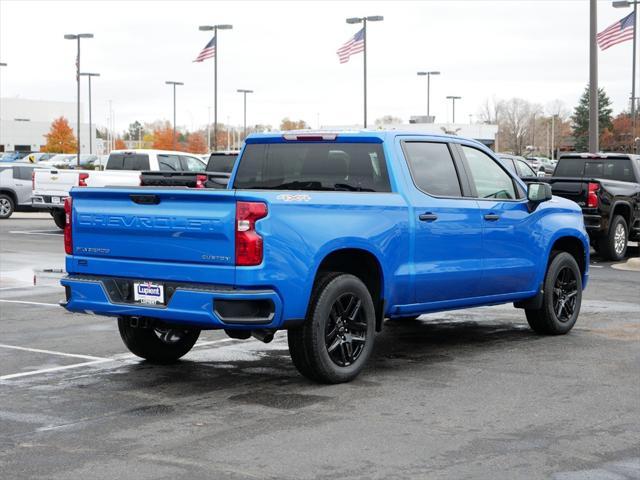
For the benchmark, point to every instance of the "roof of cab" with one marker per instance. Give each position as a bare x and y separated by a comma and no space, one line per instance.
369,136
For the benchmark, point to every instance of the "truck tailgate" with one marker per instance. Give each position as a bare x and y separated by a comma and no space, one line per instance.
575,189
55,182
194,228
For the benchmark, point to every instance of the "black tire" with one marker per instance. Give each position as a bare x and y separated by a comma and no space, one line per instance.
561,299
7,206
326,348
157,345
59,218
613,246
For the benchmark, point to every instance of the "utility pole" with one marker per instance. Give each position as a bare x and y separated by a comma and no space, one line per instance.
89,75
244,93
428,75
453,99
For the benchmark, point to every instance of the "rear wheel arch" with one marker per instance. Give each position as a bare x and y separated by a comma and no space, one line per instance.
11,194
362,264
623,209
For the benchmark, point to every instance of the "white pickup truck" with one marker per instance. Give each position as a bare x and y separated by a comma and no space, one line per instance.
51,187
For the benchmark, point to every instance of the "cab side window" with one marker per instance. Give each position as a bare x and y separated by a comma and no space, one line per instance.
169,163
191,164
432,168
490,180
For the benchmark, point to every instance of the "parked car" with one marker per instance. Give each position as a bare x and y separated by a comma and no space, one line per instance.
325,235
13,156
36,157
51,187
216,175
543,165
70,160
15,187
607,188
520,167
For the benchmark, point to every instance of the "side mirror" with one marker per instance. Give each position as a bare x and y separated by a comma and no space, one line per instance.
538,193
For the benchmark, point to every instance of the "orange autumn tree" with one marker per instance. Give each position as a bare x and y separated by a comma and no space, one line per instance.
196,143
163,138
60,138
120,145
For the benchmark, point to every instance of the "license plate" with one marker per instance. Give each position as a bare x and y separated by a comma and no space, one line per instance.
147,292
55,200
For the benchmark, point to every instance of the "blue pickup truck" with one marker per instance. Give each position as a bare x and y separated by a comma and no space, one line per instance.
325,235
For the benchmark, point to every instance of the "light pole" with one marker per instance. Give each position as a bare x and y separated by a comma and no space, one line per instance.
169,82
625,4
78,36
89,75
215,28
364,20
453,99
428,75
244,93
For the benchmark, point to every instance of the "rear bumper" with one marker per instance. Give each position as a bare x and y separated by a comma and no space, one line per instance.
593,223
197,305
44,201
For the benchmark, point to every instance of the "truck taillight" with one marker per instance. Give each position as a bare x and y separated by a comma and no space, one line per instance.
68,240
200,181
248,242
33,180
592,195
82,179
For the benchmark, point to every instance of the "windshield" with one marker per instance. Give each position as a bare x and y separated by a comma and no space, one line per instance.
358,167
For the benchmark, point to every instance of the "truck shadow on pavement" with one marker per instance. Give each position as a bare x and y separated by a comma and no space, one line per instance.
251,366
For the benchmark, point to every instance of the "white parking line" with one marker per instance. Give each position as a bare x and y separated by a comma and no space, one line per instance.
53,369
31,303
35,232
53,352
92,360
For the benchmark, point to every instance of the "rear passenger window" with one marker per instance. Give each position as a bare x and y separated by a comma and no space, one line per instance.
123,161
432,168
191,164
169,163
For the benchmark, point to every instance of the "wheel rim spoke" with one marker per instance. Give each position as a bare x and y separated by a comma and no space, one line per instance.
565,291
346,330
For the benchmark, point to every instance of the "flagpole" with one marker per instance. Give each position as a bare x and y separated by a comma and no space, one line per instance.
593,79
364,38
633,79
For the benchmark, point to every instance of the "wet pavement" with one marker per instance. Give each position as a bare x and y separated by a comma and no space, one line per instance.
465,394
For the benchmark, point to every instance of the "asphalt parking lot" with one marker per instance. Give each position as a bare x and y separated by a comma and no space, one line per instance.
466,394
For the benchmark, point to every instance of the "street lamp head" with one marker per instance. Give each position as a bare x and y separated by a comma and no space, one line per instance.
85,35
433,73
89,74
206,28
621,4
242,90
375,18
453,97
70,36
2,64
225,27
422,74
169,82
354,20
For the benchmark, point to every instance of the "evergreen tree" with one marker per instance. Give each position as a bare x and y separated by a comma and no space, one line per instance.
580,118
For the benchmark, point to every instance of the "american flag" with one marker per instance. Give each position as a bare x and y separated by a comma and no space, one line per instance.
209,51
353,46
618,32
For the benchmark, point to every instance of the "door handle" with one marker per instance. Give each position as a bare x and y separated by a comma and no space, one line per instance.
491,217
428,217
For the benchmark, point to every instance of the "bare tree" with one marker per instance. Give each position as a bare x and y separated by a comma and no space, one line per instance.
489,112
517,118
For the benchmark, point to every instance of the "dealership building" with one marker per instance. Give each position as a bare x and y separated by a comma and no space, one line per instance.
24,123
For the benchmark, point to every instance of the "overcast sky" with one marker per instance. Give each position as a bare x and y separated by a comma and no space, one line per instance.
285,52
